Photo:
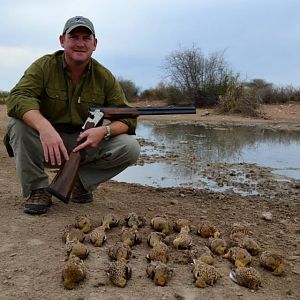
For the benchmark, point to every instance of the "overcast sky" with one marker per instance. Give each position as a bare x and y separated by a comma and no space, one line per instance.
261,37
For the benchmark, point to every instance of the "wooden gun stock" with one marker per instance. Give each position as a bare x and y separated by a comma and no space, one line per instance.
63,182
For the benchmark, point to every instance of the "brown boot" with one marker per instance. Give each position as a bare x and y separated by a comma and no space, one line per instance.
80,194
38,202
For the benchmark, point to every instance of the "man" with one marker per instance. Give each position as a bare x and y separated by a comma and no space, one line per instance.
47,109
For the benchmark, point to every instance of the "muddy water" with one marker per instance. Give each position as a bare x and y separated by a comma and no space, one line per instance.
180,151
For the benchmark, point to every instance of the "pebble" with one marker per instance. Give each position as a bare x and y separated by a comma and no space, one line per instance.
267,216
179,297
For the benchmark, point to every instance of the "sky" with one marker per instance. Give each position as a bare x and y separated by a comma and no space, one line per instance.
261,38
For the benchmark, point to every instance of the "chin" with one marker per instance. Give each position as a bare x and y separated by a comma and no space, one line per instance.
80,57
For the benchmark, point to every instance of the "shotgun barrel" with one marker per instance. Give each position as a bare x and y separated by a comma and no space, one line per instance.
114,113
166,110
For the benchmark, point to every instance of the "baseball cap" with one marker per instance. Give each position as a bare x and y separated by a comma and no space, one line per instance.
78,21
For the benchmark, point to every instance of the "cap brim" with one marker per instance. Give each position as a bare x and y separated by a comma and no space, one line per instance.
79,25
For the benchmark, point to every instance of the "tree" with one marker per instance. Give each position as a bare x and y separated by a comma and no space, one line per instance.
130,89
200,79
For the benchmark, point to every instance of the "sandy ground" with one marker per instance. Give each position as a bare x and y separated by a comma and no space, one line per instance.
33,254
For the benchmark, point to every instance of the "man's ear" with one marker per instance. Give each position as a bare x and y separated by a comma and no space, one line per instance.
62,40
95,43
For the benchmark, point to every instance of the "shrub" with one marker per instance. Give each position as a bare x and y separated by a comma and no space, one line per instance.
240,99
270,94
3,96
158,93
198,78
129,88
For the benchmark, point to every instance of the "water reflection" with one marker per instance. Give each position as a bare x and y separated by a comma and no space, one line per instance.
201,145
221,144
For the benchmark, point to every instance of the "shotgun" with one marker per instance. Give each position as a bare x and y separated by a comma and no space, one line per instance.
62,185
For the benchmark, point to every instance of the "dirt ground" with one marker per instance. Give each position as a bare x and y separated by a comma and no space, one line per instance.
33,254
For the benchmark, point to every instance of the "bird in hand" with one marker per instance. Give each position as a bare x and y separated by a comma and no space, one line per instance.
239,256
159,272
161,224
83,223
246,276
272,262
119,251
98,236
119,273
73,272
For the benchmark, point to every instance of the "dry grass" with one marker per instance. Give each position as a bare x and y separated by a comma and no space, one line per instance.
241,100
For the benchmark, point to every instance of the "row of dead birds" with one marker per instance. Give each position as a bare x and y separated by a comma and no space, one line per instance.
239,250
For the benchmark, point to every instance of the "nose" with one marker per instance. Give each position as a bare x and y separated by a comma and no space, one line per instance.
80,42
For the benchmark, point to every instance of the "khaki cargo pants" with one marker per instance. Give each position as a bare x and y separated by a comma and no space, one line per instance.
105,161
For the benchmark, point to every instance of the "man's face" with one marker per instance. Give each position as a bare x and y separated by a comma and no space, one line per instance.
79,45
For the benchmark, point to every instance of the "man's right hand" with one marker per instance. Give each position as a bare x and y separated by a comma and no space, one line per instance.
53,146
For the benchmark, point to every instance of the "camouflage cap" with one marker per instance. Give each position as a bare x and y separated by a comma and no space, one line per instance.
78,21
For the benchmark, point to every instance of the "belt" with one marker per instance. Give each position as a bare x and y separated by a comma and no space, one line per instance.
67,128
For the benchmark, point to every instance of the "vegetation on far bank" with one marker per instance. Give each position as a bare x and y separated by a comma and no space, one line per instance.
192,78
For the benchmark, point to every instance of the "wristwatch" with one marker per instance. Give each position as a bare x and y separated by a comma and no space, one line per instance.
108,132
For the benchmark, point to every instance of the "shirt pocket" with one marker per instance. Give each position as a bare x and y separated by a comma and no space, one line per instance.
54,105
88,100
92,98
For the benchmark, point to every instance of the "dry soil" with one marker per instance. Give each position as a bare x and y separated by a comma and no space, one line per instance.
33,254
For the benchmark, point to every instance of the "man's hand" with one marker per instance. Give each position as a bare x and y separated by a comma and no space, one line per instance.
53,146
90,138
94,136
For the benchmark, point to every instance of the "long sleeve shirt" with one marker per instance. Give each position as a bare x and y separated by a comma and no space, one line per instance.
47,86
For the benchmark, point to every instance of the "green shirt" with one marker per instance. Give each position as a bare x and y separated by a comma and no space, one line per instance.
46,86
